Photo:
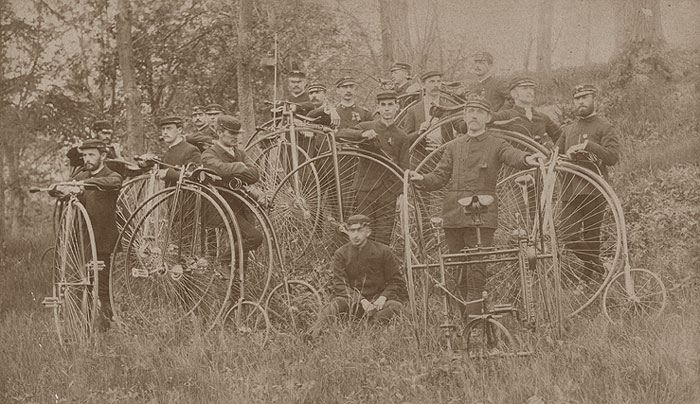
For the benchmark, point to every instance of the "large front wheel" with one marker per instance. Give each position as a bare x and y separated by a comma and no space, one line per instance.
75,267
177,262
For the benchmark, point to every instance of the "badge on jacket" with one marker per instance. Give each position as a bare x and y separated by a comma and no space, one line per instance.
355,116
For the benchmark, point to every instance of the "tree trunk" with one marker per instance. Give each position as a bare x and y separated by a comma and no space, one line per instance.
245,84
638,21
396,39
135,139
544,36
639,39
528,52
589,4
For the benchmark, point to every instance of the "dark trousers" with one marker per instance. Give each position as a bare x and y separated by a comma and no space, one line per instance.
471,279
103,284
342,305
582,217
252,237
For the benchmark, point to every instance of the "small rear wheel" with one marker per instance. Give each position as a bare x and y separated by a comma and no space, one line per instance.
486,338
248,320
293,306
647,300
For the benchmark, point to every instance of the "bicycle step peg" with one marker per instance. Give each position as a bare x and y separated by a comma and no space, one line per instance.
51,302
139,273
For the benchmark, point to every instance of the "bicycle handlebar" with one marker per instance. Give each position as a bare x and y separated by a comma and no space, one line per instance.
77,184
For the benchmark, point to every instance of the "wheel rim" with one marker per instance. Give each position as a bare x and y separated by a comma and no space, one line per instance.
647,301
179,261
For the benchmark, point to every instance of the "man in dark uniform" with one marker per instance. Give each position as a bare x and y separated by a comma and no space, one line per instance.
102,130
204,134
213,111
366,279
401,77
469,167
296,87
523,118
486,85
592,142
416,120
377,188
228,161
180,152
347,113
317,98
100,206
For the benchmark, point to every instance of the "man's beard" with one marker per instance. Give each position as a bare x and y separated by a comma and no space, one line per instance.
584,111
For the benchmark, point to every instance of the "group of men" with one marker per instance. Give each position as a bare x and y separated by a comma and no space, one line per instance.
367,278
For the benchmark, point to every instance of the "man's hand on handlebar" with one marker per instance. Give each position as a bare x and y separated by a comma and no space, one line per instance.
533,160
415,177
577,148
369,134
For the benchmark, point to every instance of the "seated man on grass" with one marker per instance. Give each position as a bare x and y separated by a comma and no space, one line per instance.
366,279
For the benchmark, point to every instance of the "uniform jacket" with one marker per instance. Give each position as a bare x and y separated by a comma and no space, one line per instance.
415,116
228,166
300,99
493,90
180,155
371,271
470,166
392,141
101,205
603,143
203,137
540,127
349,116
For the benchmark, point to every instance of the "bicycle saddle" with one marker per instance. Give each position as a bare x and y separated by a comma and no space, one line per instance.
524,180
476,203
204,175
438,111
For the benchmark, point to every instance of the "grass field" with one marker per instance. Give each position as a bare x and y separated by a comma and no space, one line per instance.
641,362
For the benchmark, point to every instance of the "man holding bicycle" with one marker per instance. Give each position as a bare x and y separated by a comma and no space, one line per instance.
180,152
347,113
204,134
523,118
591,142
366,279
377,188
230,162
469,166
486,84
100,205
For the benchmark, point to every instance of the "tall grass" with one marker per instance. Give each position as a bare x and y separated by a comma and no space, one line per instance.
645,362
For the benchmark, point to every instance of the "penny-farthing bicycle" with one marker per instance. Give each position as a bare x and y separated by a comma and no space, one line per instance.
75,267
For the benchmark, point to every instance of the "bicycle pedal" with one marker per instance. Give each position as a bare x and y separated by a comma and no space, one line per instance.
51,302
98,265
